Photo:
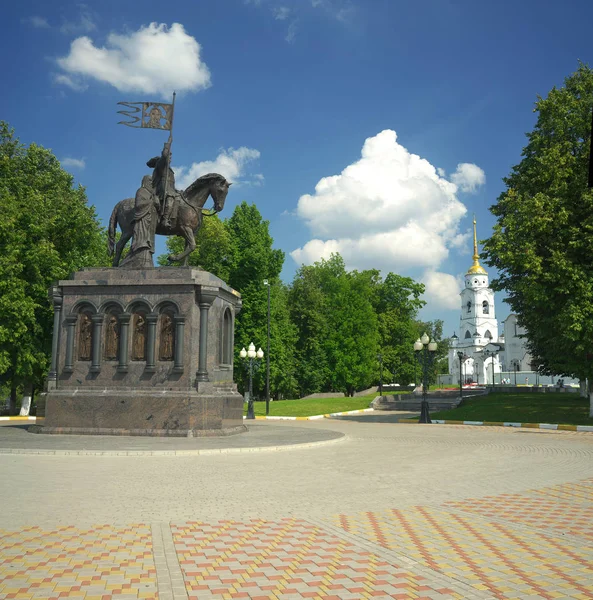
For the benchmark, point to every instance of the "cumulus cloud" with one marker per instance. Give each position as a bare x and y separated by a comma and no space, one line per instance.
232,164
37,22
442,289
73,163
156,59
83,23
390,210
468,177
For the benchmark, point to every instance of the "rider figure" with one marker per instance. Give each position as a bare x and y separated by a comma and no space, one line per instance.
161,165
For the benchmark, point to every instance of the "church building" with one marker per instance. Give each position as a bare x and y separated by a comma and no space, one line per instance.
478,327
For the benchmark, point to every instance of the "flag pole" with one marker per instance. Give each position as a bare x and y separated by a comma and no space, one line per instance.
170,141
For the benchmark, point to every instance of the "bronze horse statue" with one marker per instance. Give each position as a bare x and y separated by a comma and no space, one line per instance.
187,216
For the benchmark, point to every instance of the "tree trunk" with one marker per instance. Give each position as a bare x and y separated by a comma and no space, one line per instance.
583,385
12,401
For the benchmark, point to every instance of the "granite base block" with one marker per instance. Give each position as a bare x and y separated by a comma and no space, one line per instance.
141,412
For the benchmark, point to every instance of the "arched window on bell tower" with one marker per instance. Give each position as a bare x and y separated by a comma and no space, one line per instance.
469,306
468,335
485,307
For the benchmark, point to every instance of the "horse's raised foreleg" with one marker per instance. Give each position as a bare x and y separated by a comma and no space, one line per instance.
190,245
119,247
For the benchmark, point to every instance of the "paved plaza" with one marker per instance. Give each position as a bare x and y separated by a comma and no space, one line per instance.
335,509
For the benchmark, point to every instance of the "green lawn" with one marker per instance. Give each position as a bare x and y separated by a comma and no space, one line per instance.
567,409
312,406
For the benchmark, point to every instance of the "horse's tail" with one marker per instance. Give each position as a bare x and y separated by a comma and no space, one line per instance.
111,230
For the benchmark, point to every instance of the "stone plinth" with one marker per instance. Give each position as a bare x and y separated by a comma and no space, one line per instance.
144,352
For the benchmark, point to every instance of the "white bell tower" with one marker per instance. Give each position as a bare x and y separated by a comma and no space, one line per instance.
478,326
477,305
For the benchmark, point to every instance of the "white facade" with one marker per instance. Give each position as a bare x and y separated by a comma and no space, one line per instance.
515,353
478,327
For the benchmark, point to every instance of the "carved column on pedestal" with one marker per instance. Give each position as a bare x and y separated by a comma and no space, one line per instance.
124,332
97,321
206,298
58,300
70,321
151,321
179,335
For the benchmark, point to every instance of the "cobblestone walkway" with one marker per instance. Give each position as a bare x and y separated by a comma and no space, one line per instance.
531,544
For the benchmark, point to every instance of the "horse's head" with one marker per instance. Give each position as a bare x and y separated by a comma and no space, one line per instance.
211,184
219,190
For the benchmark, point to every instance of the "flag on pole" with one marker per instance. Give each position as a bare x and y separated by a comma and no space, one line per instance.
152,115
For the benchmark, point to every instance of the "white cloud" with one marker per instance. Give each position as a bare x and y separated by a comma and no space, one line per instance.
468,177
154,59
37,22
73,163
77,86
442,289
281,13
390,210
291,32
231,163
84,23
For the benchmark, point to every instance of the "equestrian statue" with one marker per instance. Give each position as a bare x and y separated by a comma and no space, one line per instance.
158,207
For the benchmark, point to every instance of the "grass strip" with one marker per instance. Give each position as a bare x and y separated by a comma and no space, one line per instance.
569,409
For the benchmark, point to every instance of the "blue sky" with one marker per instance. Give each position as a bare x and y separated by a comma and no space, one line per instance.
372,127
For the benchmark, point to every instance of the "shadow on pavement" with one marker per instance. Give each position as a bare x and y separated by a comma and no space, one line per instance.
378,417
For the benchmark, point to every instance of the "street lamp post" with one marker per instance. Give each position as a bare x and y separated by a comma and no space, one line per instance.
380,359
460,356
251,354
491,354
425,350
267,284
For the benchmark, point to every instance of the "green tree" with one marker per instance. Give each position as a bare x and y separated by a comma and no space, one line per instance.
434,330
308,312
337,327
252,259
353,335
213,248
240,251
399,300
47,231
543,238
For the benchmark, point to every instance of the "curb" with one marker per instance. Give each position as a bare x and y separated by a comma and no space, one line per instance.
558,427
17,418
313,417
203,452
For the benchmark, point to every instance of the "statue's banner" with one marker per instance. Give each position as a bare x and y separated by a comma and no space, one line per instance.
152,115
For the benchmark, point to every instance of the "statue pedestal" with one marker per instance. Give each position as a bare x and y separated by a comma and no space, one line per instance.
142,352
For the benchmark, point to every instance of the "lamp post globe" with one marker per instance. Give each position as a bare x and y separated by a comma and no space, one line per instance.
251,355
425,350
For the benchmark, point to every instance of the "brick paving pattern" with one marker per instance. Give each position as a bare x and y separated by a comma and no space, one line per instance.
513,521
94,564
289,559
478,540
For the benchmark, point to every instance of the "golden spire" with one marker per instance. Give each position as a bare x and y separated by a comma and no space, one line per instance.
476,268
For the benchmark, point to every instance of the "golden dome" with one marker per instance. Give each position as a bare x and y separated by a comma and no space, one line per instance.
476,268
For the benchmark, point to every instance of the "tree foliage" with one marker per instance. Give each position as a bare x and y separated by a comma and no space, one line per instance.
345,320
240,251
47,231
542,244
